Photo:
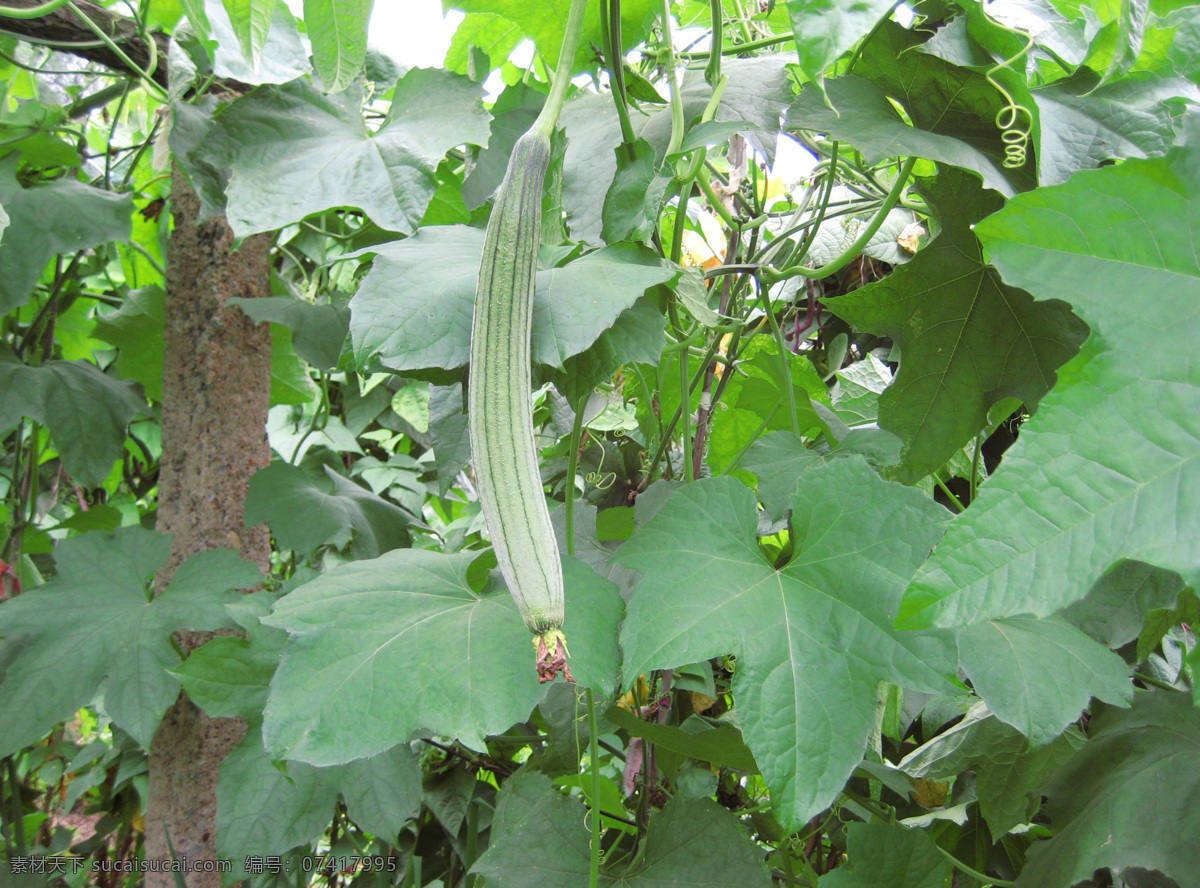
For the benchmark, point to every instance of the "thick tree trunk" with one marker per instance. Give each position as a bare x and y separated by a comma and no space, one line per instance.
216,389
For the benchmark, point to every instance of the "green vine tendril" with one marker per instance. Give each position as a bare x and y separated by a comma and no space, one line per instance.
1014,120
600,479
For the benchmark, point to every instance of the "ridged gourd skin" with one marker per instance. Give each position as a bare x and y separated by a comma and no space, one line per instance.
500,414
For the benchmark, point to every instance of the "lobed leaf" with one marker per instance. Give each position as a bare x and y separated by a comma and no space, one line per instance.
813,638
1109,468
96,621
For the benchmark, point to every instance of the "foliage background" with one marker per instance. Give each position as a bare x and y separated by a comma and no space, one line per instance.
877,491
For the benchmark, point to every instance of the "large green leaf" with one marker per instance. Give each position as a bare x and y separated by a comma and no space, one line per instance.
95,620
540,837
1128,798
635,336
635,198
883,856
778,461
292,151
1009,770
261,810
939,97
967,340
85,411
338,31
1108,468
1038,675
283,55
251,20
757,392
594,612
813,638
318,331
757,92
495,35
229,676
719,744
448,429
413,311
824,29
544,23
1117,607
382,648
1084,125
60,217
137,330
866,118
512,115
306,509
290,382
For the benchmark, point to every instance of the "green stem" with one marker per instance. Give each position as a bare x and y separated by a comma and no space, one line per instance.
712,71
5,826
870,34
822,209
973,873
949,494
472,842
148,256
151,48
1154,682
610,33
31,473
762,427
685,404
741,20
784,357
666,433
677,122
18,814
975,464
594,768
685,195
147,143
867,233
13,544
738,48
572,468
789,874
98,99
548,117
704,179
684,390
66,45
33,11
112,130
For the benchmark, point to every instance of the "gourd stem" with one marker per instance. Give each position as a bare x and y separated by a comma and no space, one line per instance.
548,117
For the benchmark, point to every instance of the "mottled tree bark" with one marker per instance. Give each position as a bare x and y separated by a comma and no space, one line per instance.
216,389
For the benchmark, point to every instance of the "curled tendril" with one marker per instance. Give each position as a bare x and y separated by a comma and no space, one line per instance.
1015,121
599,479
